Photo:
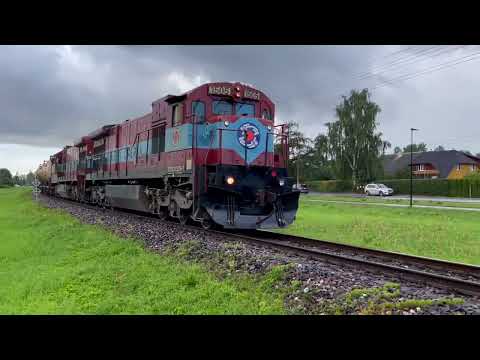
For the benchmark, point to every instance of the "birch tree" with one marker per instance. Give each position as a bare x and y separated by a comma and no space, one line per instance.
353,137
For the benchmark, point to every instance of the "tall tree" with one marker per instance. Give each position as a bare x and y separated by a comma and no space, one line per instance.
397,150
354,142
299,144
300,147
29,179
16,179
319,161
6,177
422,147
386,145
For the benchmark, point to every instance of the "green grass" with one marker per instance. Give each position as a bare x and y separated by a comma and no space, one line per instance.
449,235
380,200
52,264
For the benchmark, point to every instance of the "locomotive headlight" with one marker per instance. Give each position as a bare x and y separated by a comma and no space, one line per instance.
281,182
230,180
226,123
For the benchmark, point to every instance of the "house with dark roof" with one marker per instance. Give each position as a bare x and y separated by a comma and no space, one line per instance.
449,164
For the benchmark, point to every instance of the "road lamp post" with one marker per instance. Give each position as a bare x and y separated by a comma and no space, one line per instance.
411,165
298,171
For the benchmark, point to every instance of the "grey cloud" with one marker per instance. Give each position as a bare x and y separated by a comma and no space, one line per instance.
51,95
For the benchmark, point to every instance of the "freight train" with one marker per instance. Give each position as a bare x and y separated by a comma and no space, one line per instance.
212,155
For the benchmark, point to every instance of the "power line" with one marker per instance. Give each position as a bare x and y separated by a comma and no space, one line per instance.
439,67
413,60
409,56
410,61
400,51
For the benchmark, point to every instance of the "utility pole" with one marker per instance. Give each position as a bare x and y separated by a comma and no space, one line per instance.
298,170
411,165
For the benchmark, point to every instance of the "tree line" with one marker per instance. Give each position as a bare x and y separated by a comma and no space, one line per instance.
6,178
352,147
421,147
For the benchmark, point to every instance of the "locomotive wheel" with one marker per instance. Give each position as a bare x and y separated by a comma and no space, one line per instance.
207,222
162,213
182,217
176,211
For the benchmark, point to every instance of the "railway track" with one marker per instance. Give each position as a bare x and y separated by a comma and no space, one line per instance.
451,276
457,277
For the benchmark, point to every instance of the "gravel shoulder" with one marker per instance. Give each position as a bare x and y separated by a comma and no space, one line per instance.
310,286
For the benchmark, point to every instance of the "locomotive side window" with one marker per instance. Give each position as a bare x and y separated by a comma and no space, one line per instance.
222,108
198,109
245,109
266,115
177,114
158,139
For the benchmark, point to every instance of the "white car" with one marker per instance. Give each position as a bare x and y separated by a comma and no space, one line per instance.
301,187
378,189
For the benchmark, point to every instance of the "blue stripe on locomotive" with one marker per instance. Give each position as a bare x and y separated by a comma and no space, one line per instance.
208,138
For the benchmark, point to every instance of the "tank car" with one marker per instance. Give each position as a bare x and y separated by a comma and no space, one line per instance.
211,155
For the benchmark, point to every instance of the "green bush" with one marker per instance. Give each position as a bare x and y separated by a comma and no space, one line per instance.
429,187
330,185
436,187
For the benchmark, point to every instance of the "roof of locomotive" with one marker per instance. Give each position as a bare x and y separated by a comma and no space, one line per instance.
104,130
174,98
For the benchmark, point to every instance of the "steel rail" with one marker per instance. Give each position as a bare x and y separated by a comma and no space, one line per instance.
447,282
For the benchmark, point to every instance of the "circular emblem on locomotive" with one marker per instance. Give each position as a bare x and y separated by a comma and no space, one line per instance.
248,136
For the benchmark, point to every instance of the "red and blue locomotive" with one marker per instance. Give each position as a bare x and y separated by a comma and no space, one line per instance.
212,155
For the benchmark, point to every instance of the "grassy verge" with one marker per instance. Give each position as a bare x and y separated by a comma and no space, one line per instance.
380,200
52,264
449,235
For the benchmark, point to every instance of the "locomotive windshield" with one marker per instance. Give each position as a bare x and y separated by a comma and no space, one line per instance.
245,109
222,108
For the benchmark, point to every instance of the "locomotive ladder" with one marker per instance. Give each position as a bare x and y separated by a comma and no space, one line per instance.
279,213
231,210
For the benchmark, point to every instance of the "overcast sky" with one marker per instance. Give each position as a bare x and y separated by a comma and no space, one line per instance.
51,95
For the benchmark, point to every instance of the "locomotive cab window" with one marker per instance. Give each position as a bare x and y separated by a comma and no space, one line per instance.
177,114
266,114
244,109
222,108
198,110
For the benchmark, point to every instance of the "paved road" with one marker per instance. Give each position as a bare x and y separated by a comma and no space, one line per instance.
396,205
404,197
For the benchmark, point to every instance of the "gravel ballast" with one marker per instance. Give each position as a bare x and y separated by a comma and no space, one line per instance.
311,286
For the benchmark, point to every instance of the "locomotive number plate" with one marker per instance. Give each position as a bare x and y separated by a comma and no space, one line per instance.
220,90
251,94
